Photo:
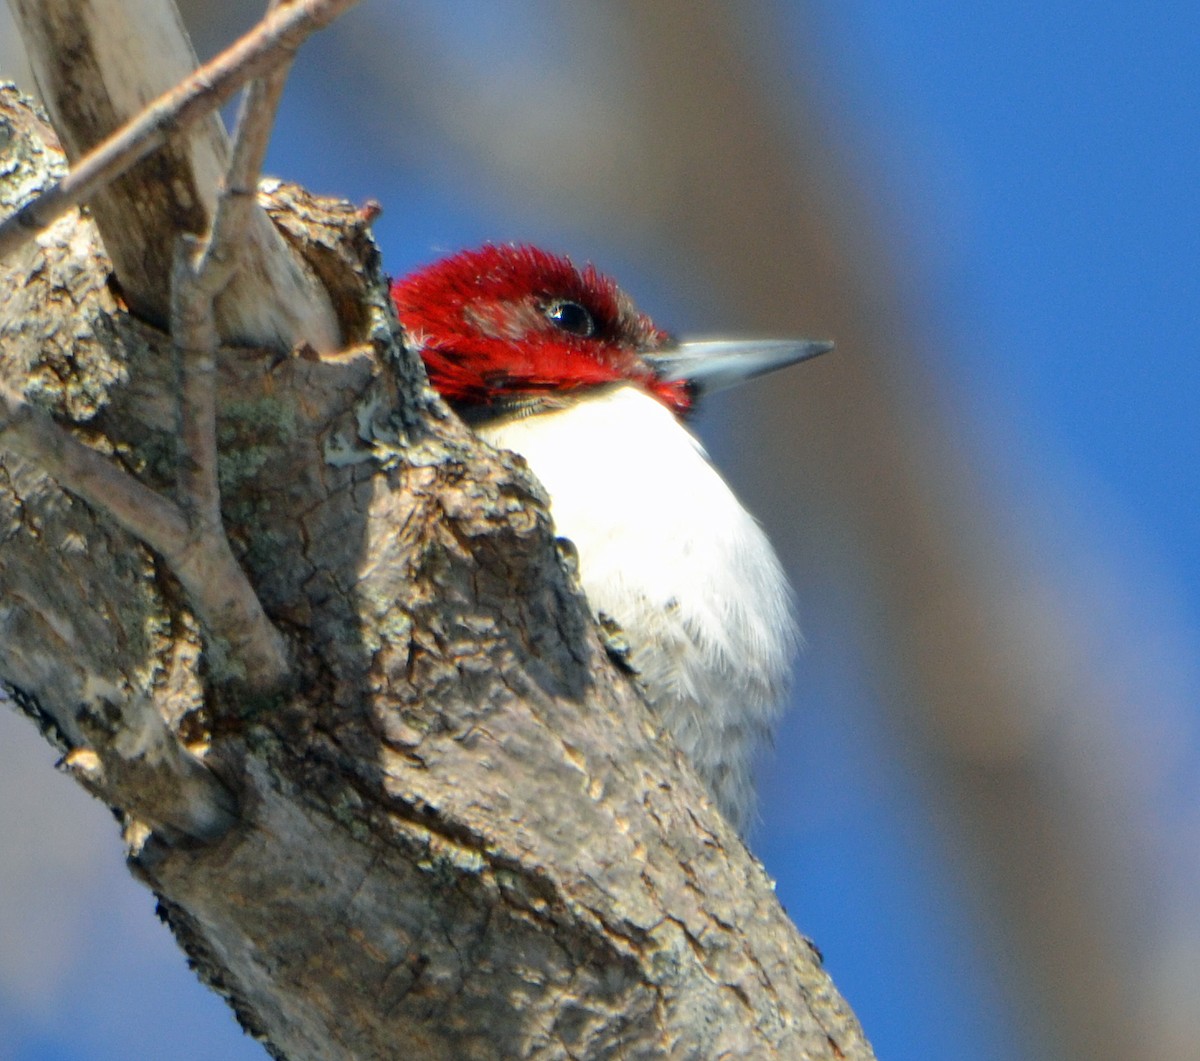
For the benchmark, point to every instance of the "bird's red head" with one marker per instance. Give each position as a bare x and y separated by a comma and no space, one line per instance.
505,326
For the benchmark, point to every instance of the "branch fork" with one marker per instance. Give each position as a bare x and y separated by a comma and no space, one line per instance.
186,532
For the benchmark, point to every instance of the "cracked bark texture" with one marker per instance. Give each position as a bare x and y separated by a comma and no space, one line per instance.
460,833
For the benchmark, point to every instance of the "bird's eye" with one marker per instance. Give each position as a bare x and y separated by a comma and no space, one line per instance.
568,316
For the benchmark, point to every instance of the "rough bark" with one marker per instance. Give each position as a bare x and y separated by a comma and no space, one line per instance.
458,832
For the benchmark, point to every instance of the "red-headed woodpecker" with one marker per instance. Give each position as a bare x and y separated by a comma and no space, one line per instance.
556,364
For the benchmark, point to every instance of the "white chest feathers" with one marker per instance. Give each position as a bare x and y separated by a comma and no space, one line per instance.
668,553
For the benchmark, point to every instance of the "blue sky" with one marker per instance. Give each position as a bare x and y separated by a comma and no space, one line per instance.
1039,164
1036,166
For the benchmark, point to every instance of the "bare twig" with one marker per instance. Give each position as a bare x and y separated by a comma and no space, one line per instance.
202,271
217,587
34,435
270,43
189,536
181,796
197,280
256,119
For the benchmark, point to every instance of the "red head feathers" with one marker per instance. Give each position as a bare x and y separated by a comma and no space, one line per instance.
506,325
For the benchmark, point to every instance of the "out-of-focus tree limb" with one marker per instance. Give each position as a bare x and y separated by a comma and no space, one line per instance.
762,205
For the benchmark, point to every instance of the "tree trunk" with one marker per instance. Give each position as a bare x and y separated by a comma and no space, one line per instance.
458,832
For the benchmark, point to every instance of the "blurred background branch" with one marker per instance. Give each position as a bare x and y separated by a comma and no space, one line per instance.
975,620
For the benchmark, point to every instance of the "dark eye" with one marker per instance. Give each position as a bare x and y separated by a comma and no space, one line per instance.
568,316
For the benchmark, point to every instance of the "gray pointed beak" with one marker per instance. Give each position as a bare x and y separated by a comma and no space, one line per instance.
715,364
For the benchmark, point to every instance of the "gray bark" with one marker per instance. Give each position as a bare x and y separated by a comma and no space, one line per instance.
458,833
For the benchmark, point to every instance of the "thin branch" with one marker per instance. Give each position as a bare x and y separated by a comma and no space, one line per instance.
196,281
256,120
271,42
207,568
181,796
189,536
34,435
202,271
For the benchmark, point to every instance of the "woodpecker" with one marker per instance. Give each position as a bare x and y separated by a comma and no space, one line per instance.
556,364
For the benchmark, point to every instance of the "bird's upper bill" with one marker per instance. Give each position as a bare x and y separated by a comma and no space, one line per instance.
509,326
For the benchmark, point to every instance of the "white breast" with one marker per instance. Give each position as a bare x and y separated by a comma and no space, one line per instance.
668,552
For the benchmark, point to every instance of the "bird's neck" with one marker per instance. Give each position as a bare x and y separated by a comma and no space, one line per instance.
617,448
